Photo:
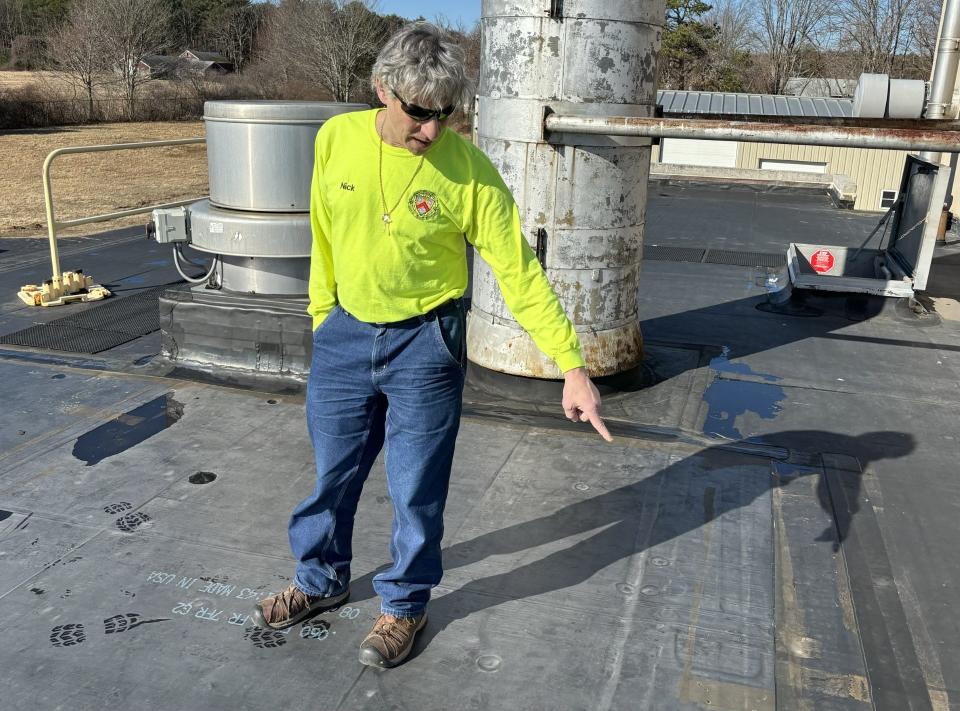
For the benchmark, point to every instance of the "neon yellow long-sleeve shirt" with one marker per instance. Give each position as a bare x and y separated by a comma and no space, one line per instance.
383,275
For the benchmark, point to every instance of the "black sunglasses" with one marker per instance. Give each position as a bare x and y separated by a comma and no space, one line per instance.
418,113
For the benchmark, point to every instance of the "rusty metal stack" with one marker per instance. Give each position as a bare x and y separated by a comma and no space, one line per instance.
582,198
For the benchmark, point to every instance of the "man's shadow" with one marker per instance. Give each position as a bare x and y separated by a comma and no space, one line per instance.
633,517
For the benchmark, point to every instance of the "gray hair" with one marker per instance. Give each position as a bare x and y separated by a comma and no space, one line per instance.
424,65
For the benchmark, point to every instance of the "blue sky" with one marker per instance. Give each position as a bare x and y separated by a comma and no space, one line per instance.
467,12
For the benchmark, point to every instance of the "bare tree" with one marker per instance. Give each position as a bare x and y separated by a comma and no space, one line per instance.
473,46
729,53
924,24
733,20
875,34
326,42
471,41
130,30
24,23
233,31
788,35
13,22
76,50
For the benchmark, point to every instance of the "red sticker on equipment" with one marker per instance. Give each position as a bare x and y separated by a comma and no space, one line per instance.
821,261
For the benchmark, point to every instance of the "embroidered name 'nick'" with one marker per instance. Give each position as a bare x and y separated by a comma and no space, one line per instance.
346,186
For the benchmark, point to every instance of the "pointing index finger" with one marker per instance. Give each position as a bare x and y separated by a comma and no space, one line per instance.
598,425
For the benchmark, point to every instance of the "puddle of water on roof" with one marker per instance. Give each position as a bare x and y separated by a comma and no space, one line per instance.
728,399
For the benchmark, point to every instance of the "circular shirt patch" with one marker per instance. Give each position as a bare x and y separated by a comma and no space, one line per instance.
424,205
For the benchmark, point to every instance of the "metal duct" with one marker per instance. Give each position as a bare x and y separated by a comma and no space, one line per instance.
582,198
260,153
256,222
944,76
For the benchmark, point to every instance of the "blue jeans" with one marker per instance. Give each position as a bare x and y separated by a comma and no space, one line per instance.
399,384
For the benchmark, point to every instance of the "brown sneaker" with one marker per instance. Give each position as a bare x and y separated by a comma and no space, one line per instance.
390,640
287,608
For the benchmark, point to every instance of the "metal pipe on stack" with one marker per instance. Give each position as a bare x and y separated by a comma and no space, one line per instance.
582,198
945,62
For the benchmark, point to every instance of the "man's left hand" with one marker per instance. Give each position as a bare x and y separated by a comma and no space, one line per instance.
581,401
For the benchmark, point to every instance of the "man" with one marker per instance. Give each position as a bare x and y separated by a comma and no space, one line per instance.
393,195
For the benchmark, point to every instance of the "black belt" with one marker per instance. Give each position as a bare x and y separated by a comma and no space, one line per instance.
444,309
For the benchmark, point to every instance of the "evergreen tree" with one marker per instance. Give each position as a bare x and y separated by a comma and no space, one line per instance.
686,46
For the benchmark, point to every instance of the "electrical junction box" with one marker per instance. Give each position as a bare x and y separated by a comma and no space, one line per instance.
171,225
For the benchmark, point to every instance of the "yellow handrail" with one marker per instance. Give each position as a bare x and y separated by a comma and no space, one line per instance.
53,224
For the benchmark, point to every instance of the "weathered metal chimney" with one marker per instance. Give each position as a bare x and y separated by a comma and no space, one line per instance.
582,198
943,77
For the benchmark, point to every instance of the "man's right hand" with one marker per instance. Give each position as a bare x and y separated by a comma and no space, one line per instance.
581,401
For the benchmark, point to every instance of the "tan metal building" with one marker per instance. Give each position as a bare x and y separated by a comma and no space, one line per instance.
875,172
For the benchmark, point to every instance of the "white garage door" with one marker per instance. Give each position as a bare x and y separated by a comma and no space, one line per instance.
797,166
689,151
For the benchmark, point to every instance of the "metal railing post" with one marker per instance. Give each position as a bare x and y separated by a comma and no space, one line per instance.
41,295
51,222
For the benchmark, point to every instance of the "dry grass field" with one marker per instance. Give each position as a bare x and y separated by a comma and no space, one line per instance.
88,184
18,80
39,85
57,86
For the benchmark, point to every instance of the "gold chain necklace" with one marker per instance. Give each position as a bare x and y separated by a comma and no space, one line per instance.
383,198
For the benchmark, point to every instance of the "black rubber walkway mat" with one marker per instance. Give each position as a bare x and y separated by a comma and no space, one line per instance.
97,328
660,253
745,259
